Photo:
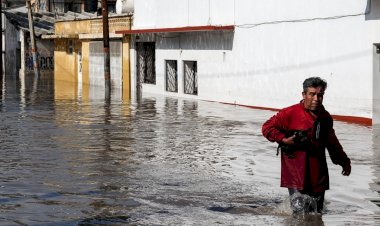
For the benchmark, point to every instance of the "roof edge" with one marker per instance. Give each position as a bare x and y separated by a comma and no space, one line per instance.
179,29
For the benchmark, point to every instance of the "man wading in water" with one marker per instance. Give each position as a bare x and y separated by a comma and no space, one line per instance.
303,132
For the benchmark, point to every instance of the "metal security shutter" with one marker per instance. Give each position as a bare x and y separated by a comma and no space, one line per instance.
96,65
116,64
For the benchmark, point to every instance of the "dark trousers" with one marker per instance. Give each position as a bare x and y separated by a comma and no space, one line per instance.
318,196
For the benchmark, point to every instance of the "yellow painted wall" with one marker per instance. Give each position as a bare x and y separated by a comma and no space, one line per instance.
85,70
73,27
66,65
65,70
126,70
85,61
91,26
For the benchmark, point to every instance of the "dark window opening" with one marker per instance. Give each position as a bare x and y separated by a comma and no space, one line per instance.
190,77
171,75
146,69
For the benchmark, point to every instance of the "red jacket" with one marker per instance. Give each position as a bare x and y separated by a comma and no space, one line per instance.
307,168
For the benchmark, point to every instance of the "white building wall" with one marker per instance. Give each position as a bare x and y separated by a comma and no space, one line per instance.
376,85
275,46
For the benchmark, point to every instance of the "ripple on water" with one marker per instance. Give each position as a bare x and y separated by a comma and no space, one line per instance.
162,161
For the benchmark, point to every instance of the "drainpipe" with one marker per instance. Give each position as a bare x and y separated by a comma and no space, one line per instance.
106,49
32,39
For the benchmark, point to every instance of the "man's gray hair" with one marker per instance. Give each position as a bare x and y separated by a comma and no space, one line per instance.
314,82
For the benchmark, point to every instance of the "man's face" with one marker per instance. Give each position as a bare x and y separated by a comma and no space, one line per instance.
313,98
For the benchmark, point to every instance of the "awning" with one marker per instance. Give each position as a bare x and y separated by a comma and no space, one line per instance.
81,36
178,29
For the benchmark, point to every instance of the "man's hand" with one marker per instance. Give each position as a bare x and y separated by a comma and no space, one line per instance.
346,171
288,140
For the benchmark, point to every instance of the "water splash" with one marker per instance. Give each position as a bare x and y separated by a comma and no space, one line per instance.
298,204
303,204
301,210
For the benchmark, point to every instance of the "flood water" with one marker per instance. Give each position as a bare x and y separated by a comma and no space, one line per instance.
160,161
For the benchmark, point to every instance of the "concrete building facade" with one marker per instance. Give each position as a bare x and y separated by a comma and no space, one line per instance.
78,57
258,53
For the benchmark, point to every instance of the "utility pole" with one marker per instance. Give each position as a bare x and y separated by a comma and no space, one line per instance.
33,40
106,49
3,25
2,56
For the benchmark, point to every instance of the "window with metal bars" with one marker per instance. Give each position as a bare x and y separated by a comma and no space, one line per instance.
190,77
171,75
146,69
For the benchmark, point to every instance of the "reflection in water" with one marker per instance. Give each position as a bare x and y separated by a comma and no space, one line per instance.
376,162
1,88
159,161
305,220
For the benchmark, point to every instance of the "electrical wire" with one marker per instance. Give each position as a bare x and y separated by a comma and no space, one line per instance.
297,21
306,20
